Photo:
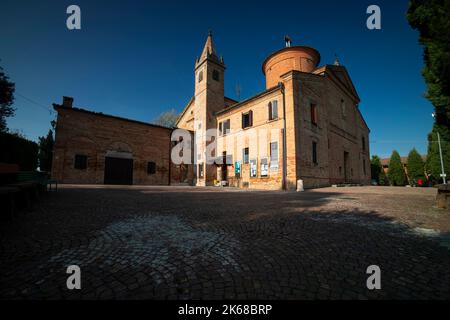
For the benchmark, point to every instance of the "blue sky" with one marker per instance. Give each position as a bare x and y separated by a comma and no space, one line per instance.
135,59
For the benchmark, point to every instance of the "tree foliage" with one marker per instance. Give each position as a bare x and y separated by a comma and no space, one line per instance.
396,173
384,181
432,19
377,171
45,156
375,168
167,118
433,163
415,165
7,89
16,149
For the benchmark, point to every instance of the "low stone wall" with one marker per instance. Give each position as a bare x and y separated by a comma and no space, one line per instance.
443,196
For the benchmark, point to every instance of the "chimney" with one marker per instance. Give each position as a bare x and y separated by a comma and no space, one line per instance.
67,102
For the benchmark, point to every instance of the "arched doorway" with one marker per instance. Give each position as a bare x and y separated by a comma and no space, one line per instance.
119,165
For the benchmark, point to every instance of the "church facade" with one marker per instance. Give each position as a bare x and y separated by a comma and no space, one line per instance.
305,129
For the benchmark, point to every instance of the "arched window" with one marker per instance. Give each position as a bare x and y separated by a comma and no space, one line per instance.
215,75
200,76
343,108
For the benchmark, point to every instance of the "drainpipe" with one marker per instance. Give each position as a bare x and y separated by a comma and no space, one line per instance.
170,157
284,138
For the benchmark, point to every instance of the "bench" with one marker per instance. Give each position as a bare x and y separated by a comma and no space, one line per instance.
50,183
8,196
21,188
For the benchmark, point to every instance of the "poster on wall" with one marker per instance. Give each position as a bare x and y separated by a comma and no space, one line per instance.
264,167
273,166
237,169
253,168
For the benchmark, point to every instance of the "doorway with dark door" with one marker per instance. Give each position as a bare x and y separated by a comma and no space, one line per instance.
346,179
224,166
118,171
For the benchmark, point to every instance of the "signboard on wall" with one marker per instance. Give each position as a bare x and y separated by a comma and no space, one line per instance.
237,169
253,169
274,166
264,167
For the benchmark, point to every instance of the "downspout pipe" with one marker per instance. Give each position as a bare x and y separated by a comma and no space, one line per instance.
283,183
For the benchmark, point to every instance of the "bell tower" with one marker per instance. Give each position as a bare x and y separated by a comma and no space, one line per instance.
209,98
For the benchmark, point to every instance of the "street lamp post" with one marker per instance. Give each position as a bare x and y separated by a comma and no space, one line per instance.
443,175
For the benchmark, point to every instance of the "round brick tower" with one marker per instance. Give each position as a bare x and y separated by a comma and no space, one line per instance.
299,58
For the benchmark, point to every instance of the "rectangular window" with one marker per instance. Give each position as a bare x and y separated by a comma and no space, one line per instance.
314,113
151,167
80,162
245,155
273,110
220,128
226,127
274,156
314,152
364,166
363,142
247,119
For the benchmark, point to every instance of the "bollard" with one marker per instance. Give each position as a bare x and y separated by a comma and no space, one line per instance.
300,186
443,196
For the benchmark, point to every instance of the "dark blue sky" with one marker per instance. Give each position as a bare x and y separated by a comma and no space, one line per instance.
136,58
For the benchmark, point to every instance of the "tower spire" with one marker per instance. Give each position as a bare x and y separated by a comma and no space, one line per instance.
209,52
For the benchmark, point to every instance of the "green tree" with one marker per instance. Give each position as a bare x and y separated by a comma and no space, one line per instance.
415,166
45,155
19,150
383,179
7,89
433,163
167,119
375,168
396,173
432,19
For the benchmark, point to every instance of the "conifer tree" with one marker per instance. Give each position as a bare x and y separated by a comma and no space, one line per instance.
415,165
396,173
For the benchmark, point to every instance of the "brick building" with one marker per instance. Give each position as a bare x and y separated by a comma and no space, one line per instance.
305,125
94,148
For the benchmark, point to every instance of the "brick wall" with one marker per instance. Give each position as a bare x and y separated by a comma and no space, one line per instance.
257,138
95,135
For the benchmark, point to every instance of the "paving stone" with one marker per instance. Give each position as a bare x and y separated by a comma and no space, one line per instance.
210,243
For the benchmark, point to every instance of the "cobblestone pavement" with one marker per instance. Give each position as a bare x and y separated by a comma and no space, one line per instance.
208,243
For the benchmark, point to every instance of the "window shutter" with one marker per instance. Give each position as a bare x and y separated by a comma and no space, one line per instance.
220,128
250,118
270,111
243,121
275,109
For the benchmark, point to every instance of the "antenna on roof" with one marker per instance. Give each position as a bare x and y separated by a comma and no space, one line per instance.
287,41
238,91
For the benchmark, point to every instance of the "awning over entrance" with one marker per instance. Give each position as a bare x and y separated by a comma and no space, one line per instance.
228,160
